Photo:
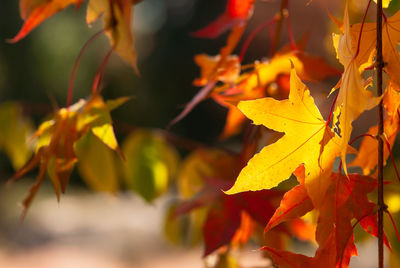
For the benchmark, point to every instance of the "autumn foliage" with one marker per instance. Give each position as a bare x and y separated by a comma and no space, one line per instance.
233,196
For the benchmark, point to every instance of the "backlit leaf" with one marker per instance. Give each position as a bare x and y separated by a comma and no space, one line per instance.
307,140
14,133
57,137
353,99
34,12
117,17
150,164
96,164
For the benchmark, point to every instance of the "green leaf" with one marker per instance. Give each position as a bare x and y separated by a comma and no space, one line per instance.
96,164
150,164
226,261
14,133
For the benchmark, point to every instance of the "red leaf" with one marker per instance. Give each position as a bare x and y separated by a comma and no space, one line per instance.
294,204
236,11
36,14
221,224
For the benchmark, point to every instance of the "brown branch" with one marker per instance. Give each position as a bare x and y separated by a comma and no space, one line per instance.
379,65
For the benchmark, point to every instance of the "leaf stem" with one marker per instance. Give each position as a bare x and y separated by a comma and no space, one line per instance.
278,29
391,156
361,30
394,224
290,30
76,65
100,71
253,35
379,66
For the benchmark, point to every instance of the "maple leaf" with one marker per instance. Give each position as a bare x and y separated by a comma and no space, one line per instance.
390,39
230,218
14,132
366,158
353,98
150,163
57,137
237,11
117,21
117,24
307,140
252,84
214,71
35,12
346,199
255,84
211,69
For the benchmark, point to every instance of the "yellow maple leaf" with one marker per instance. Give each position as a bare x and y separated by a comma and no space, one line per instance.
353,98
307,140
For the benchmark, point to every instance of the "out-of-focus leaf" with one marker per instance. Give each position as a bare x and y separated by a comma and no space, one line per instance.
96,164
174,228
117,17
150,164
57,137
197,166
34,12
237,11
226,261
14,133
367,159
187,229
230,219
210,67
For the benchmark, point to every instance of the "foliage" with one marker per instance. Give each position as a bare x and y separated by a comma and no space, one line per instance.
229,196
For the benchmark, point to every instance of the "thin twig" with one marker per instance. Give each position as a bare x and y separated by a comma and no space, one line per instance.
391,156
278,29
393,223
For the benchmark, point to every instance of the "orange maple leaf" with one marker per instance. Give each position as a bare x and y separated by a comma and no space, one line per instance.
35,12
55,148
346,199
367,158
390,39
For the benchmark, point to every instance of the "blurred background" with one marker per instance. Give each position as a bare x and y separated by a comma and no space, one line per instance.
92,229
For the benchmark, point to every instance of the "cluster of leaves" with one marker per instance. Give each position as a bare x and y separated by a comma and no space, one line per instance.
270,93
